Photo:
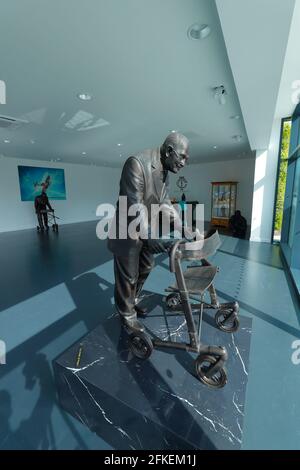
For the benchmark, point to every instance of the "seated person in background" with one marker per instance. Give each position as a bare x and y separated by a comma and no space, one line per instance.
41,203
238,225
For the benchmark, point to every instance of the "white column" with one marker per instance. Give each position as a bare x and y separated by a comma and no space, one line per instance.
266,164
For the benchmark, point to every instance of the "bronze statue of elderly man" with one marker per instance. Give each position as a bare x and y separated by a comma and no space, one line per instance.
144,181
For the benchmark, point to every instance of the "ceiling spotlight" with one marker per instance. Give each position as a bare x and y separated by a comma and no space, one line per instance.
119,145
198,31
6,141
215,147
120,154
84,96
220,94
83,153
235,117
32,141
237,138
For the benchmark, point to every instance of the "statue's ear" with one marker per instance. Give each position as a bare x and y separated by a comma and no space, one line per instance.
169,150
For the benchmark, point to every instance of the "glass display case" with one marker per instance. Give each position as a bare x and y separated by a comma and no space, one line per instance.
223,203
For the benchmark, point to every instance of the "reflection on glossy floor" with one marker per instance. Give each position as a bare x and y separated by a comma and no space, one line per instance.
51,296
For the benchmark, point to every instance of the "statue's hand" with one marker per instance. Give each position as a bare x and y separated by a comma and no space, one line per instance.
159,246
192,235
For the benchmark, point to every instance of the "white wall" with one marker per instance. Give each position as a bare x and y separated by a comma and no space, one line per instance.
267,160
265,188
86,187
200,176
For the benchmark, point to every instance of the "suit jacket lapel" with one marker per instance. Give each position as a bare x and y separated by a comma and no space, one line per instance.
156,174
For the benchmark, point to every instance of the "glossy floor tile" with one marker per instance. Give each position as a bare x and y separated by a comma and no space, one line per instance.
56,288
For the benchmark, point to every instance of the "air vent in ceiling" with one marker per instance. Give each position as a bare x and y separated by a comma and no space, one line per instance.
10,122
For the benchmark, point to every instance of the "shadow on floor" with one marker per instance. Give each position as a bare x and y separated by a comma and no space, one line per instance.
92,297
263,316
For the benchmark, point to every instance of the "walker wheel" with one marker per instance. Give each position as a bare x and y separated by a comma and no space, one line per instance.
173,300
140,345
203,363
225,322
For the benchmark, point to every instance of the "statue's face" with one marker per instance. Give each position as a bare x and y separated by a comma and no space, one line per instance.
176,158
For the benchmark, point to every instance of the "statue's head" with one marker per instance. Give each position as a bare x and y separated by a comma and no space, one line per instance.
174,152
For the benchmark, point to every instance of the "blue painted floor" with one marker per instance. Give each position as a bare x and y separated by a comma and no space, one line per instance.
56,288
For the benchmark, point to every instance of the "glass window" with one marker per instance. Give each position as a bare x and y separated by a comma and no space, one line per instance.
282,177
290,239
294,204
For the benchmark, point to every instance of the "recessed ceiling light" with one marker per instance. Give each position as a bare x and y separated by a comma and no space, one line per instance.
119,145
83,153
237,138
235,117
84,96
197,31
215,146
32,141
120,154
6,141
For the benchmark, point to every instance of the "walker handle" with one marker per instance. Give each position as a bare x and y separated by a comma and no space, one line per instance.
173,255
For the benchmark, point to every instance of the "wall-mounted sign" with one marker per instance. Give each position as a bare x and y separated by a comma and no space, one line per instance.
181,183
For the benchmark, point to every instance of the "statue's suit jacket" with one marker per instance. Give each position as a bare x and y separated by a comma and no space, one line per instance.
142,182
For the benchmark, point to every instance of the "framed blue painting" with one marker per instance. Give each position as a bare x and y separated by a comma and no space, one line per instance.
33,180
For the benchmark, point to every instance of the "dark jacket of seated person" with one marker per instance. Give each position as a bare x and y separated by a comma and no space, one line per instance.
238,225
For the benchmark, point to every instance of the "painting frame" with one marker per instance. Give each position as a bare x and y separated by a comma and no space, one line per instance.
35,179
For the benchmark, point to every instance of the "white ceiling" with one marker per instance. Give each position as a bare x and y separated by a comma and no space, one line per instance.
256,34
146,77
289,91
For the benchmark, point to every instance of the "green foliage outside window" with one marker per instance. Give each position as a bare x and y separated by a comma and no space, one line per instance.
285,145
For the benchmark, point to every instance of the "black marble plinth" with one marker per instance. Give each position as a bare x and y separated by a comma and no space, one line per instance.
158,403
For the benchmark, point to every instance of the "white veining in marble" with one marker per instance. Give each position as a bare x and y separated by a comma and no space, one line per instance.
238,353
213,422
75,372
236,405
